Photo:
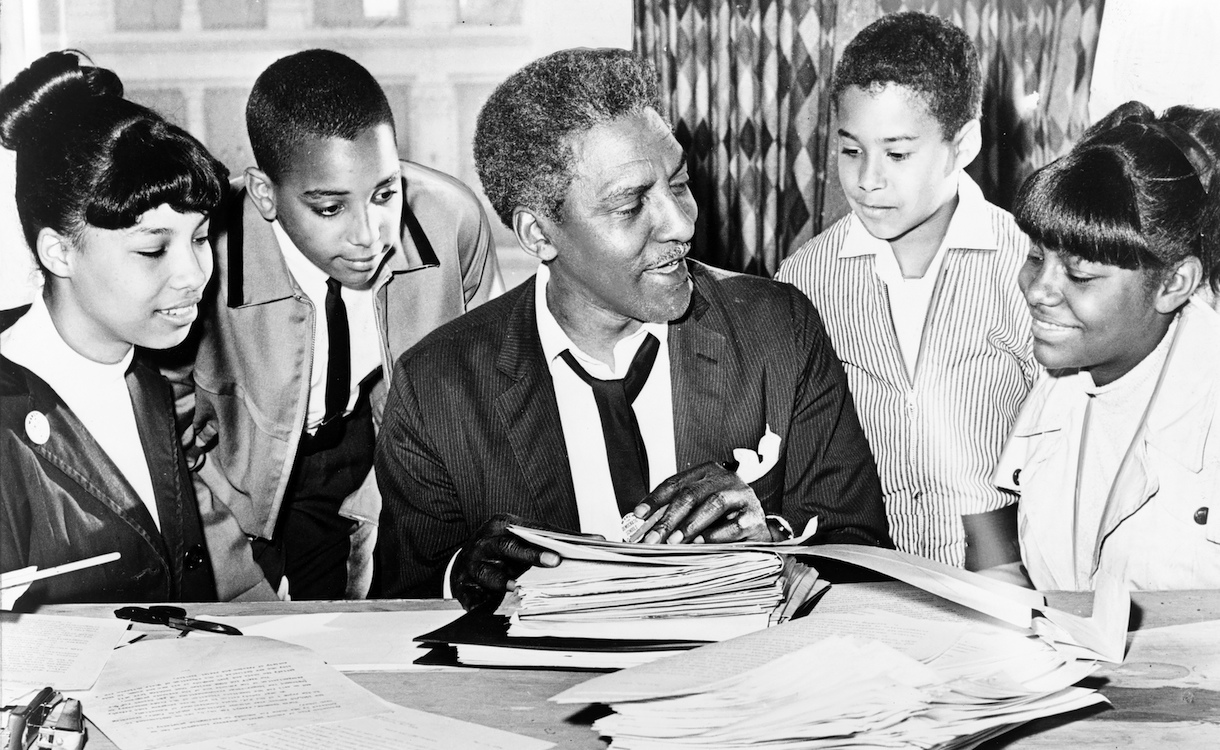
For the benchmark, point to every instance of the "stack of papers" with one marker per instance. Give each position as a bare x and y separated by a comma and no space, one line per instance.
480,639
794,687
707,597
611,605
702,592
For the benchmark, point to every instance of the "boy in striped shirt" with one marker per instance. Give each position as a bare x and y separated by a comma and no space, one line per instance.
918,284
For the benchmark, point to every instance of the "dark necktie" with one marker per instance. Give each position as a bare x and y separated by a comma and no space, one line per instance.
339,366
624,445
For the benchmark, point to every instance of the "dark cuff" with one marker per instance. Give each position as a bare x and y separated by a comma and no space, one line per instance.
991,538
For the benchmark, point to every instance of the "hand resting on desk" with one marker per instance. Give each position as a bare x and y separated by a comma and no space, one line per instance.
708,503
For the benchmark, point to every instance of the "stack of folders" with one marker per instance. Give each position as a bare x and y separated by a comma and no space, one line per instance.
837,691
610,605
699,592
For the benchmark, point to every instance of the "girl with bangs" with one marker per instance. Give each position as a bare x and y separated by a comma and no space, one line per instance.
114,204
1116,452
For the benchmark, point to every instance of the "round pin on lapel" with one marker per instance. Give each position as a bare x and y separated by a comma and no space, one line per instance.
37,427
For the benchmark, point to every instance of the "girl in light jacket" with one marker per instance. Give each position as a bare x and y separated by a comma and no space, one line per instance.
1115,455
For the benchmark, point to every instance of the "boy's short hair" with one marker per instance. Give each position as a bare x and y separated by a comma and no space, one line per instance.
523,138
923,53
317,93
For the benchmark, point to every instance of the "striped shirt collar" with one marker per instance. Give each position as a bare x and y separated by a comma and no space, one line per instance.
968,228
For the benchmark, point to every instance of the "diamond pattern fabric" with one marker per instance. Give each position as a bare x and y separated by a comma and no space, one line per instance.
747,83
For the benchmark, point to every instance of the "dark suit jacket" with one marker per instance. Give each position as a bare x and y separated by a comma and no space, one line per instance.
65,500
471,426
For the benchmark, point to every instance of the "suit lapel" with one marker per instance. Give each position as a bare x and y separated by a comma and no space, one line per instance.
158,438
698,352
529,414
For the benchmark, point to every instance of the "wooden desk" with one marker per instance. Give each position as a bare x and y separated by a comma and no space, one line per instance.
516,700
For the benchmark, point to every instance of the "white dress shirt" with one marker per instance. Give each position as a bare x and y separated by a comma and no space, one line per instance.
582,433
361,322
95,392
596,504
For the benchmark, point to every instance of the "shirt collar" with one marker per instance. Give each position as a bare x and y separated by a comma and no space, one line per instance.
309,277
969,226
555,340
34,343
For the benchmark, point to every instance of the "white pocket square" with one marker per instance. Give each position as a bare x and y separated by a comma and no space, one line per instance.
754,465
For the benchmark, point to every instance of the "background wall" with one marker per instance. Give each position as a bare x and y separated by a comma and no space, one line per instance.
195,61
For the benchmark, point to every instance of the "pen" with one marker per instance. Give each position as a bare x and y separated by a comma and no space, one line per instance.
173,617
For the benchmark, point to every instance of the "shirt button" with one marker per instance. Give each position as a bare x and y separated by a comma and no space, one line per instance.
1201,516
1016,478
194,557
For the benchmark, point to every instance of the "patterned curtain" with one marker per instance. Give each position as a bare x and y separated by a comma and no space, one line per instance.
748,88
746,85
1037,58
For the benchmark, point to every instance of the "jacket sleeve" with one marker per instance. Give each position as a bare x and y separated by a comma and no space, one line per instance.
177,366
238,577
422,521
830,471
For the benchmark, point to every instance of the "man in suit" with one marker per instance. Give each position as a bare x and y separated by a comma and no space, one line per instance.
521,411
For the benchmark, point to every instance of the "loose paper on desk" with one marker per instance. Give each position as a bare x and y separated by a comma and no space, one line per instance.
806,680
163,693
952,643
1098,637
209,692
397,729
66,653
1104,634
353,641
1004,601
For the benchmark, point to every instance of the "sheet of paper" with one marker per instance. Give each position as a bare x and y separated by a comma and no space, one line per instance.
397,729
899,599
699,667
587,548
353,641
1104,634
1006,602
841,690
66,653
164,693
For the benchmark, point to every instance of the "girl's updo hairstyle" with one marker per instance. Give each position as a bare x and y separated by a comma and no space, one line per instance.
1138,192
86,155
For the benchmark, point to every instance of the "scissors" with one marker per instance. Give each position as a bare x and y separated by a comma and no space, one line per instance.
173,617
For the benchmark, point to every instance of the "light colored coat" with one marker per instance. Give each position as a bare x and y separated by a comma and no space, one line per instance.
1161,525
249,393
